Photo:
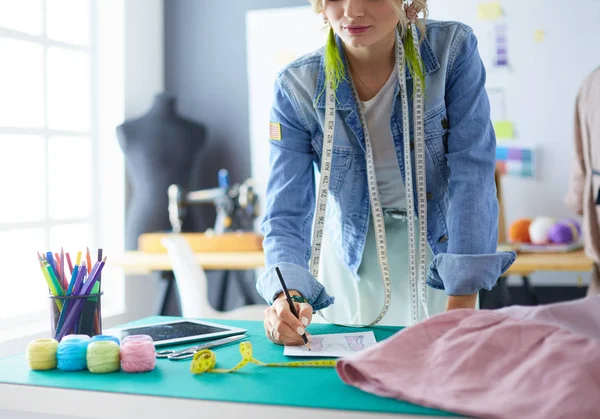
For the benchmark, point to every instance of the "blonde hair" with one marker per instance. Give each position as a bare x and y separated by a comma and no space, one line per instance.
334,66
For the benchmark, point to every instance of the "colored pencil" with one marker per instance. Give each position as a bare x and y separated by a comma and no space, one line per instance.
89,259
70,263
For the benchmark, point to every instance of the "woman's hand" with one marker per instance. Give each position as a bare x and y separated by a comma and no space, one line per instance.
461,301
281,326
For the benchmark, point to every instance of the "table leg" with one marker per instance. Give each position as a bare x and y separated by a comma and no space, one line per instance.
246,290
224,288
505,299
170,278
482,298
530,291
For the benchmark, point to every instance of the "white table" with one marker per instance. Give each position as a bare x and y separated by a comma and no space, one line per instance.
23,399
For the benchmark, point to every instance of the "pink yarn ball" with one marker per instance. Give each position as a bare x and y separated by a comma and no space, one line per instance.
138,354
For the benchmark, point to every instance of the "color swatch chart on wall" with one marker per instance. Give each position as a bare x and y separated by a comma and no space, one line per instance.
515,159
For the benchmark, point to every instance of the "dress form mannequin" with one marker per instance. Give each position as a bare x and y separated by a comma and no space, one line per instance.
160,148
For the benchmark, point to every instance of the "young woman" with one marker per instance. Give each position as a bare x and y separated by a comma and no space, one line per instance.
394,113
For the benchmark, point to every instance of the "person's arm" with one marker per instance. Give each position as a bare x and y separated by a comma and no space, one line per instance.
290,202
574,198
471,262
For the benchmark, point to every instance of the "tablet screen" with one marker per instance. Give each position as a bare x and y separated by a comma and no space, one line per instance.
168,331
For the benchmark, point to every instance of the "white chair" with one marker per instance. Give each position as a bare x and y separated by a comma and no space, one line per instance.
192,284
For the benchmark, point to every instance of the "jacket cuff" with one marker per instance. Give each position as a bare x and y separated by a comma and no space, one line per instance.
296,278
467,274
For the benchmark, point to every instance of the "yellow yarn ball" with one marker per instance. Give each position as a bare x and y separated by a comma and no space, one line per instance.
103,356
41,354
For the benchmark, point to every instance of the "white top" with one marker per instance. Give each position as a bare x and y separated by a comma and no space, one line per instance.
378,113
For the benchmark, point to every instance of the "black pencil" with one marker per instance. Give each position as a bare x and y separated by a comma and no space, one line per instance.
291,303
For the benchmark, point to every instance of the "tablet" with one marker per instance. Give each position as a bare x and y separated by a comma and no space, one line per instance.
178,331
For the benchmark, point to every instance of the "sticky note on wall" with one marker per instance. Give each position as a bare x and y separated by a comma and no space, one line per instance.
489,11
539,36
505,130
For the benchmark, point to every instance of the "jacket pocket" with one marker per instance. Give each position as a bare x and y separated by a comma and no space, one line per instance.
340,163
436,129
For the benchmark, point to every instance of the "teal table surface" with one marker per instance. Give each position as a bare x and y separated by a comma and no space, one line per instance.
298,387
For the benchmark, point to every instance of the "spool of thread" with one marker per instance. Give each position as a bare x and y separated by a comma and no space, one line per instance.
519,231
539,229
72,354
69,337
138,354
41,354
103,356
100,338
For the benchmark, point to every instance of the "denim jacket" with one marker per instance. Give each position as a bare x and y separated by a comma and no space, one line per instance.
462,207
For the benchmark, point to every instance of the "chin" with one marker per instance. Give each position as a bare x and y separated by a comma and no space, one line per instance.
357,42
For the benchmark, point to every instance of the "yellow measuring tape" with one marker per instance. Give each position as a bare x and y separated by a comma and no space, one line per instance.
206,360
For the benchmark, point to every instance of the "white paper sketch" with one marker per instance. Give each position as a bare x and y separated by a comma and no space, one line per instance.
334,345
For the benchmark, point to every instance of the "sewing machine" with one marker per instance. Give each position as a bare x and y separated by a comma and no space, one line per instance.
236,206
236,211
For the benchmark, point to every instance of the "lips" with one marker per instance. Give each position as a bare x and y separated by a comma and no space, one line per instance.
356,29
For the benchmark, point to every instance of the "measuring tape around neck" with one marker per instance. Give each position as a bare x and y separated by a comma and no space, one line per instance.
417,276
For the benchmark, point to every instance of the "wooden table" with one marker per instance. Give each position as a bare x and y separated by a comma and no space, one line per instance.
140,263
524,266
527,263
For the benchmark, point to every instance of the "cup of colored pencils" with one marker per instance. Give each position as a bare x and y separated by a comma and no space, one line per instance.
75,292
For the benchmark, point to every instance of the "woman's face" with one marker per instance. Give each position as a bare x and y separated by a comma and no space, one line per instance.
361,23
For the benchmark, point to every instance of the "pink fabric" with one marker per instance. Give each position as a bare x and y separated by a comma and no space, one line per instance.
519,362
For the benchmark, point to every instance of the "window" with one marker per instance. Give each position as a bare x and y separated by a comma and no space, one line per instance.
55,182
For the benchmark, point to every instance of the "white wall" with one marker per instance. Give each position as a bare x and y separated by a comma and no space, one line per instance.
144,78
144,54
540,86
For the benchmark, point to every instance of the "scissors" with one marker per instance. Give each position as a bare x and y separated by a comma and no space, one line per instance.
188,353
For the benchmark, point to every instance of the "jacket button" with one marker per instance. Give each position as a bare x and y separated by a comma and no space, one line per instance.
445,123
429,196
443,239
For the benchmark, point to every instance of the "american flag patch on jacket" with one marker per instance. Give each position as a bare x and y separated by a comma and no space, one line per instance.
275,131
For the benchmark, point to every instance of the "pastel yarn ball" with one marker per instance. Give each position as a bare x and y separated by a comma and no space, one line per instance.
565,232
41,354
138,354
99,338
69,337
575,226
518,231
539,229
72,354
103,356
